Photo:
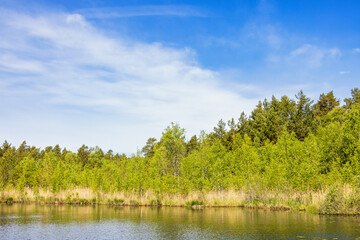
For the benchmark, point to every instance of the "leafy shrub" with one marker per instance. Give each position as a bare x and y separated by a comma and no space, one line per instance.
133,202
68,198
83,201
118,201
40,199
194,203
333,203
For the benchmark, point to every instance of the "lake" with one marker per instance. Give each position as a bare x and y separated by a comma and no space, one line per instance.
30,221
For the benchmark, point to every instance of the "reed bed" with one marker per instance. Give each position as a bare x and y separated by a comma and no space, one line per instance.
312,201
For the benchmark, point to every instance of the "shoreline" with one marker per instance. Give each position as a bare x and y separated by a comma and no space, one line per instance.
323,203
195,207
62,203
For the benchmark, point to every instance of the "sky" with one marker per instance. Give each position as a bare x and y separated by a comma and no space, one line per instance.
114,73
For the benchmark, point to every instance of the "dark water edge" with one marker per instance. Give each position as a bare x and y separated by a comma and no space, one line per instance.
31,221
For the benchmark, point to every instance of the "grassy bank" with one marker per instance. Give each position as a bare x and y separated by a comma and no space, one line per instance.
335,200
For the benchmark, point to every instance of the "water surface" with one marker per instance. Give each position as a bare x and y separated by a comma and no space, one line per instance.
29,221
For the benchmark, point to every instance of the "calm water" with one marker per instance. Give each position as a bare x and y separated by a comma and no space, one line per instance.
22,221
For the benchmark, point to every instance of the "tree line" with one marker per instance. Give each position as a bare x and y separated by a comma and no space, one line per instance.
284,144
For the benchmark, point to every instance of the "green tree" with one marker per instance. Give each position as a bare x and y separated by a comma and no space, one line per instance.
303,116
148,149
173,139
355,98
220,130
325,104
192,145
257,123
27,169
83,154
7,165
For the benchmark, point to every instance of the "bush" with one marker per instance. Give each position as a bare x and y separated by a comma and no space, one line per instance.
194,203
118,201
68,198
83,201
156,202
133,202
353,202
333,203
356,181
40,199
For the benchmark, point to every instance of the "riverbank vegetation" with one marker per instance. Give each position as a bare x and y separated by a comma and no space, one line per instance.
288,153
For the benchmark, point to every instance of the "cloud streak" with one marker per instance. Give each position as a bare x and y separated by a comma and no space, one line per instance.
141,11
315,56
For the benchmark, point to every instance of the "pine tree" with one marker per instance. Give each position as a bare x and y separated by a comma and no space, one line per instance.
325,104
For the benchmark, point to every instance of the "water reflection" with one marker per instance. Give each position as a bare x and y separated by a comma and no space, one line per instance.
27,221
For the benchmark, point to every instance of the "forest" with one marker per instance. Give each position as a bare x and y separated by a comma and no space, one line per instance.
308,150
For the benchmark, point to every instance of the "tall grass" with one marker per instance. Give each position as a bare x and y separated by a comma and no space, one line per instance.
264,199
335,200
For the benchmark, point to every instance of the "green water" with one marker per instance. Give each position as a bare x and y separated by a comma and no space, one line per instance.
28,221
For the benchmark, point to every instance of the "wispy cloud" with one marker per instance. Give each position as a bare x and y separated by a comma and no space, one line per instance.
86,87
315,56
11,63
137,11
356,50
265,33
344,72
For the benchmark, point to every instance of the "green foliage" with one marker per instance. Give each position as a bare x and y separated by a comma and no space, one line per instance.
134,203
118,201
325,104
192,145
355,98
148,149
194,203
284,144
333,201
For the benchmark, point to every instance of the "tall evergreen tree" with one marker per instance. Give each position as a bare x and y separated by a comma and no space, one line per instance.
325,104
302,119
148,149
355,98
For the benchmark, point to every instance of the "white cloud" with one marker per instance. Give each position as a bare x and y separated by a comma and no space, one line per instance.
301,50
75,18
11,63
356,50
333,52
135,11
268,34
344,72
314,56
86,87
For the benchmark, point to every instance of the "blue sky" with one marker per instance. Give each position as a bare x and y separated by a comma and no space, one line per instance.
114,73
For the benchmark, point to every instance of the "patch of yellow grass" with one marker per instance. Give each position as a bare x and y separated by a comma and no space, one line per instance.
259,199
